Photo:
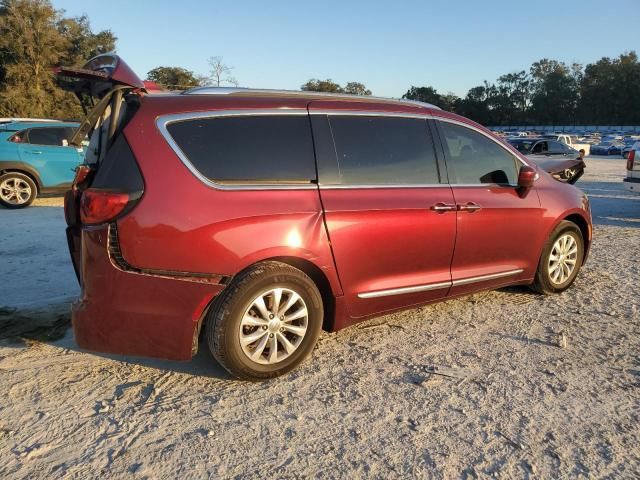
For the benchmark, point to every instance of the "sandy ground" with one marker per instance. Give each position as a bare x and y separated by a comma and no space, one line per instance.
471,388
34,254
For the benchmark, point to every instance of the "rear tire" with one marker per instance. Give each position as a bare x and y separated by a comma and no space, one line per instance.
17,190
561,259
266,322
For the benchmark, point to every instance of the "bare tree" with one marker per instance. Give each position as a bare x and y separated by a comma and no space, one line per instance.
220,73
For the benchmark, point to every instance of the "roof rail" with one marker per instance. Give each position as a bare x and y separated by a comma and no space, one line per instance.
20,119
265,91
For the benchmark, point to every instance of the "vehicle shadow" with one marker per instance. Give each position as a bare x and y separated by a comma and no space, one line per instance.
201,365
52,326
46,324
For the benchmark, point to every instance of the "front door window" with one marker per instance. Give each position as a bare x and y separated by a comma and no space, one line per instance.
473,158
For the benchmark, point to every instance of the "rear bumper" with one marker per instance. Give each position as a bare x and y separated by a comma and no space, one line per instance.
135,313
632,184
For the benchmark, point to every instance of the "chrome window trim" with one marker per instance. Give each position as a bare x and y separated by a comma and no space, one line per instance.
164,121
329,186
483,185
437,286
372,113
337,186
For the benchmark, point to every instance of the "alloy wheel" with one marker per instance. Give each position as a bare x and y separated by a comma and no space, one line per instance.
15,191
273,326
563,259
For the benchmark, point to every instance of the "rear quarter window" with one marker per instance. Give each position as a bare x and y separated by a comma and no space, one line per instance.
248,150
52,136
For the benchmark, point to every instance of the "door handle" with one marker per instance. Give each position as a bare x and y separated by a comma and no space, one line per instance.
470,207
442,207
35,152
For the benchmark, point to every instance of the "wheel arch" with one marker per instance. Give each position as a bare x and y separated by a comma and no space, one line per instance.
23,168
311,270
319,278
585,229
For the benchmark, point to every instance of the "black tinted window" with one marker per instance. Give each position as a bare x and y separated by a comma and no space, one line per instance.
50,136
473,158
248,149
119,169
383,150
523,146
556,147
540,148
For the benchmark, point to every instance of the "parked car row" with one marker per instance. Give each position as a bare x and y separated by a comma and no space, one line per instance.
608,147
593,143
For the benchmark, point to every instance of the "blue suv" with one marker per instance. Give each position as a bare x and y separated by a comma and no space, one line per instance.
35,158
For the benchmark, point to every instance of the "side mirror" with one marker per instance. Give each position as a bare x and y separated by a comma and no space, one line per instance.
526,177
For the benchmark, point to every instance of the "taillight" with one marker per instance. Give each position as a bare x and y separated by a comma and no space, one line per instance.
100,206
630,159
82,172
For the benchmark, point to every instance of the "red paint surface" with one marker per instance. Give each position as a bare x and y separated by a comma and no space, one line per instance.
130,313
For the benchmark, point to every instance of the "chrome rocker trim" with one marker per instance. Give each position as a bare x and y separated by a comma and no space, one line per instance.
438,286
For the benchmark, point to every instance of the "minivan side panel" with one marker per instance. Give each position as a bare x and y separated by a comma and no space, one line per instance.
508,233
392,250
497,239
229,230
386,239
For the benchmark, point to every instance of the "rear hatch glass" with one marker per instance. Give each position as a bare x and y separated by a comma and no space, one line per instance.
110,93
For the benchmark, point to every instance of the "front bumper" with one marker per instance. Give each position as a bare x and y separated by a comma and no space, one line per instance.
134,313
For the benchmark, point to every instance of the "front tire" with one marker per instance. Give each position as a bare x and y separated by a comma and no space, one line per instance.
561,259
17,190
266,322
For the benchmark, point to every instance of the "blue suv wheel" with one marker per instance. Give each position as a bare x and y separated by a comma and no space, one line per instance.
17,190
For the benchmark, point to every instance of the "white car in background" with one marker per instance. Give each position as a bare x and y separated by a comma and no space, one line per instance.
632,182
571,140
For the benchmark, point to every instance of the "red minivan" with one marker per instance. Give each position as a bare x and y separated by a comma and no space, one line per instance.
263,217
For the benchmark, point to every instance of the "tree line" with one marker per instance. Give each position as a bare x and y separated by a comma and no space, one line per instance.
551,92
34,37
606,92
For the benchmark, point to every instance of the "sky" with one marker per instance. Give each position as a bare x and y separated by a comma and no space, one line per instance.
450,45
